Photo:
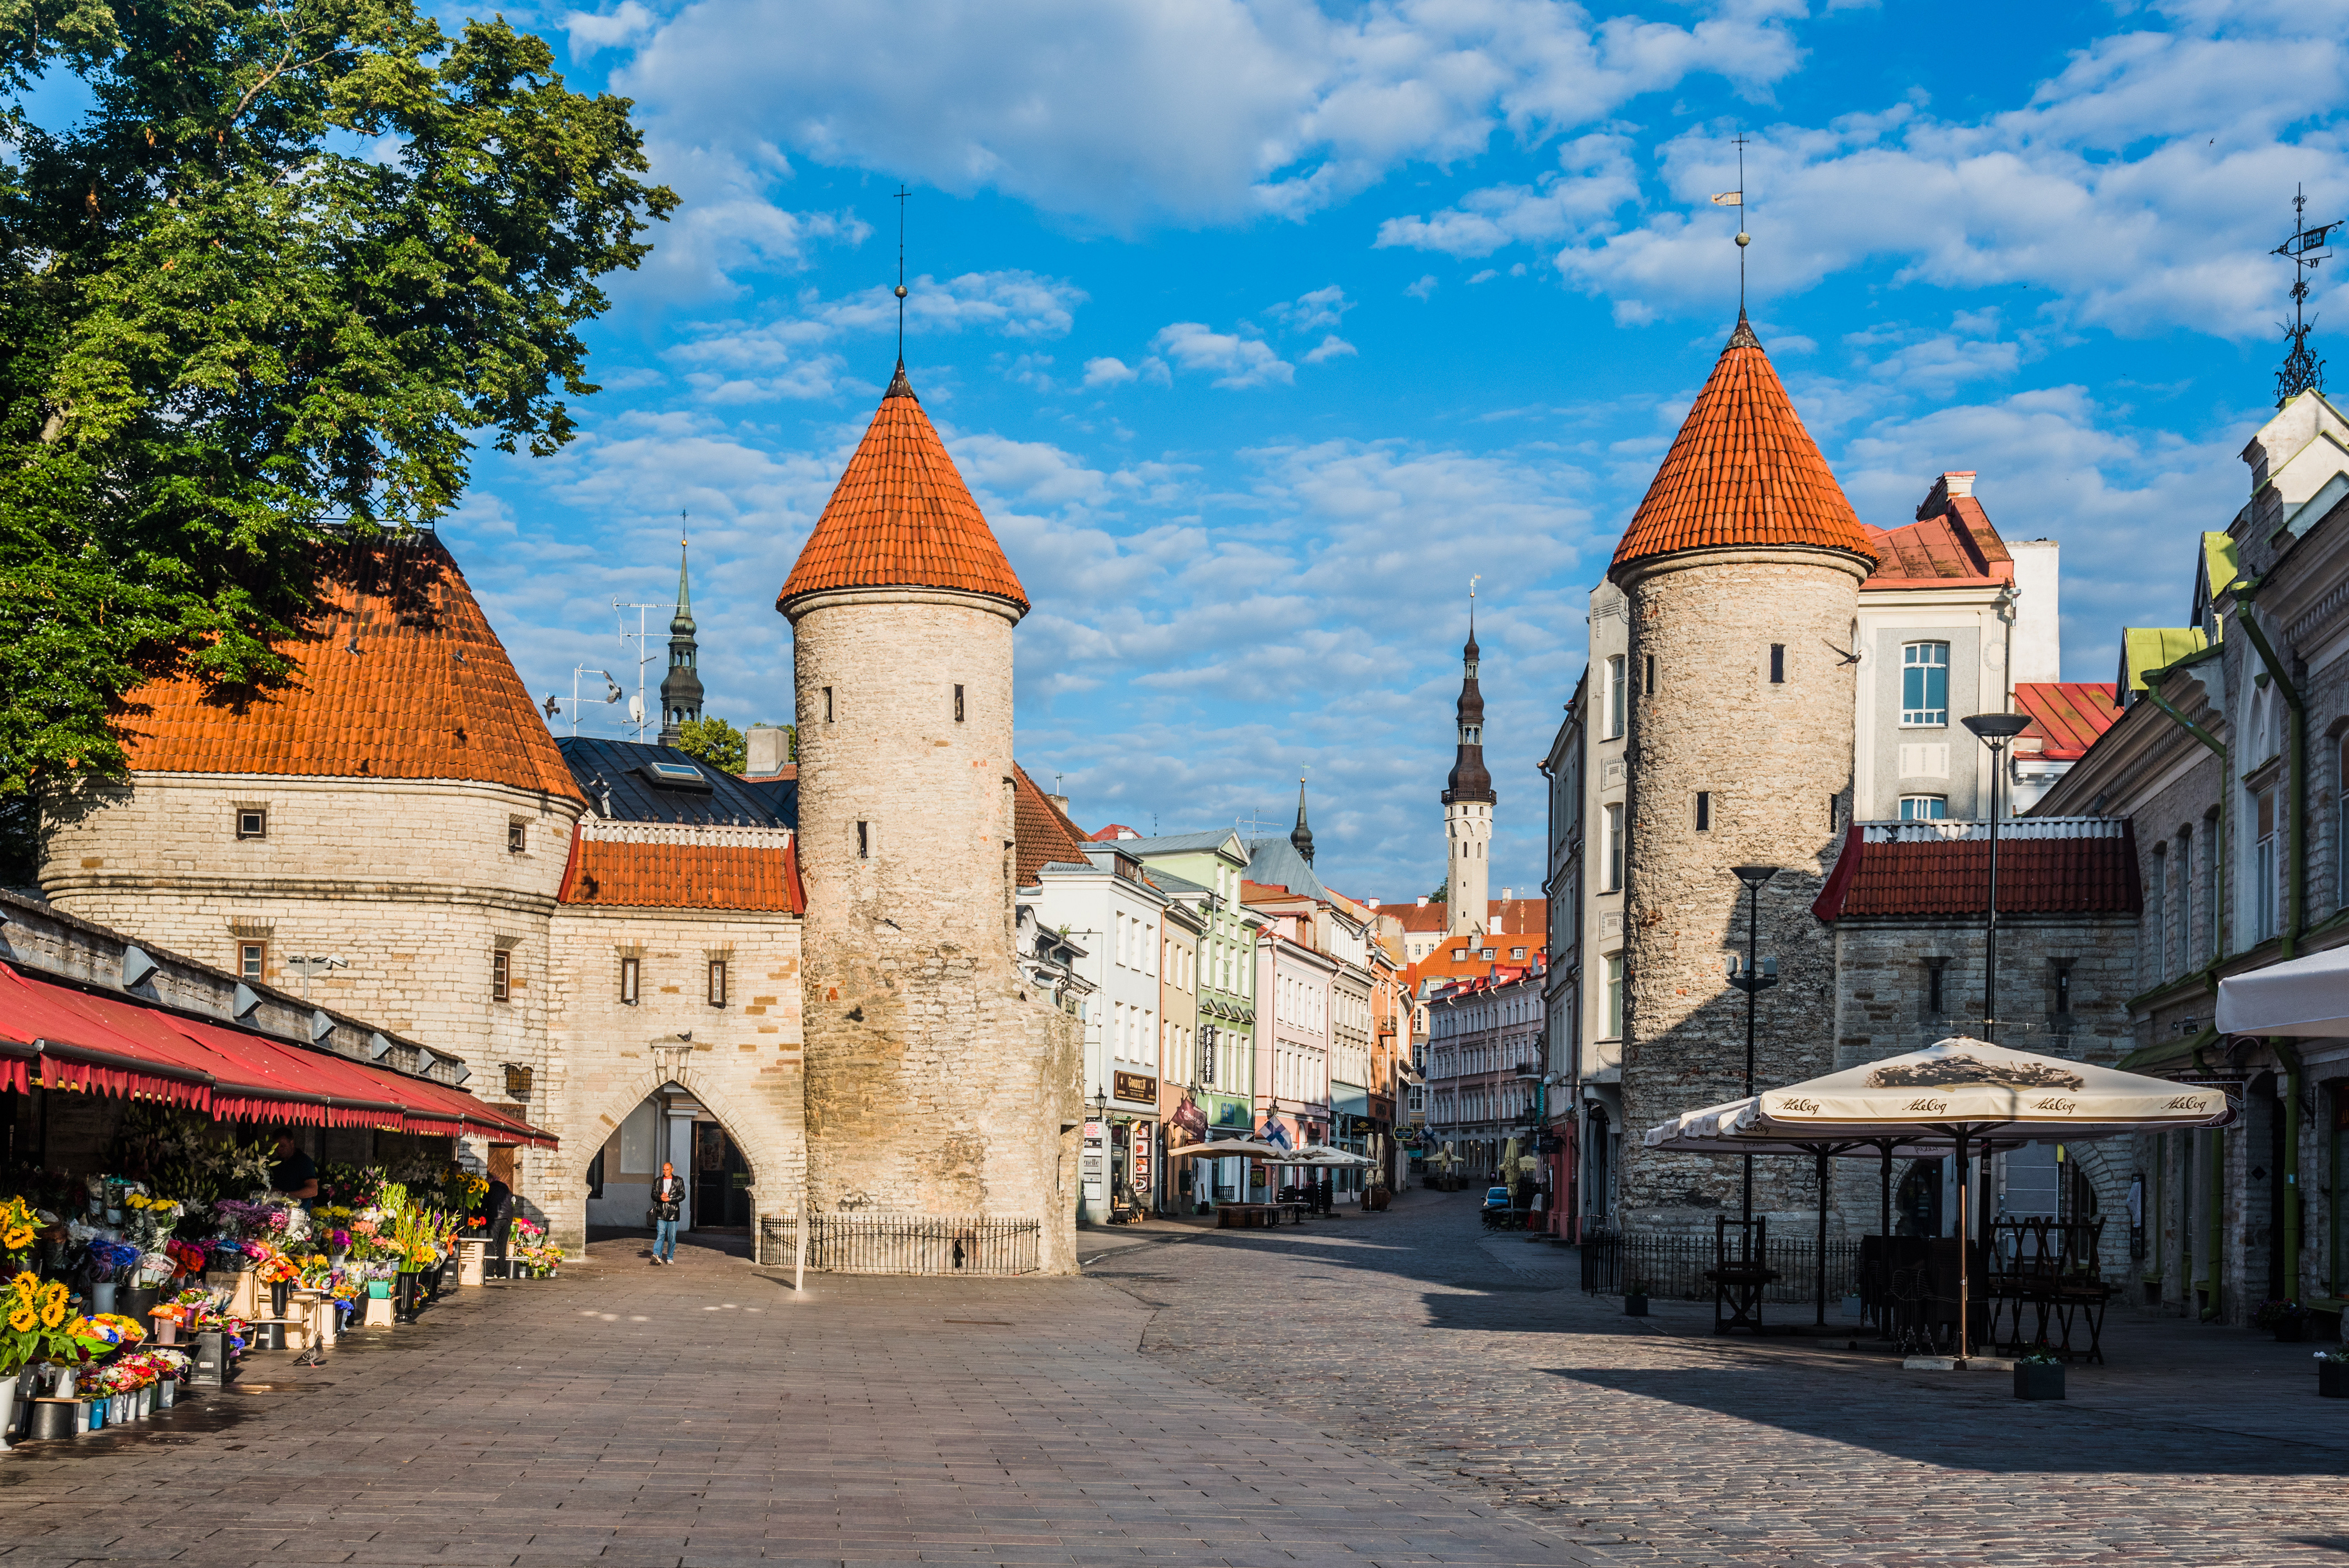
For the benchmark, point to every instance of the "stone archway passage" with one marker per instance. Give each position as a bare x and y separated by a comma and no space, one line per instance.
739,1155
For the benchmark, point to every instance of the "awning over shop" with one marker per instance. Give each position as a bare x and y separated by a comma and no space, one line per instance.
2301,997
55,1036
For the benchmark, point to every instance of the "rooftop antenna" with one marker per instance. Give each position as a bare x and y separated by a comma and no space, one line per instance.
2306,250
902,195
1737,199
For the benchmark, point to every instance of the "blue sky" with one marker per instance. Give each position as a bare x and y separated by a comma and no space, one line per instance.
1259,328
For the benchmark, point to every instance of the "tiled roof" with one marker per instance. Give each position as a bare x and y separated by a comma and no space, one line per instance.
611,773
400,677
2048,865
902,516
1503,916
638,869
2066,716
1742,471
1954,546
1042,836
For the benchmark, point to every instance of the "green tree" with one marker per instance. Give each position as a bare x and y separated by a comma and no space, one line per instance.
714,741
295,260
1442,893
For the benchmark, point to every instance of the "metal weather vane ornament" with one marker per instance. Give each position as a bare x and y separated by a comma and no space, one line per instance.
2306,250
1737,199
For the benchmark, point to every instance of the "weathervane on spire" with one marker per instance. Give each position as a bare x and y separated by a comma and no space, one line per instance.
2306,250
1737,199
900,199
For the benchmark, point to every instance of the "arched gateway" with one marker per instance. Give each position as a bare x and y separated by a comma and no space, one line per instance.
588,923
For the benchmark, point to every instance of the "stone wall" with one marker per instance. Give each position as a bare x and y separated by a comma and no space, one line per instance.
935,1082
1770,757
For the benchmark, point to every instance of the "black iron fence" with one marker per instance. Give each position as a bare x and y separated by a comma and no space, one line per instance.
906,1243
1674,1267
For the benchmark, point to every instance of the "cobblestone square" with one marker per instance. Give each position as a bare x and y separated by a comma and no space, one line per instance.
1366,1389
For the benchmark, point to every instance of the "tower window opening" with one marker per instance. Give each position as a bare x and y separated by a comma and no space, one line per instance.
864,841
1704,811
1777,663
251,960
1934,968
517,835
1648,686
718,982
629,979
253,822
957,704
500,975
827,704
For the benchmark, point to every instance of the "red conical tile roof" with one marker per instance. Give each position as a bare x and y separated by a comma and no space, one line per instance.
902,517
1743,472
400,677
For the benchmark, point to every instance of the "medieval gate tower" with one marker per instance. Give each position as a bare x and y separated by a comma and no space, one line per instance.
934,1083
1743,568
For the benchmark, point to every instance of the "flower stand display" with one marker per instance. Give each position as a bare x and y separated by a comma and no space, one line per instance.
472,1254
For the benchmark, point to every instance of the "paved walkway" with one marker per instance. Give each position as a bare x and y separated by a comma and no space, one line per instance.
1366,1389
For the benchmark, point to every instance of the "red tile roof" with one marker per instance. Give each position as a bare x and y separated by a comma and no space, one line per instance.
2050,865
902,516
1042,836
2066,716
1503,916
631,866
400,677
1742,471
1952,546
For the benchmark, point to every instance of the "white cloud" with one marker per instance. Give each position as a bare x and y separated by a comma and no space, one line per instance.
1330,347
1129,110
1107,372
1423,287
1010,304
590,32
1308,311
1236,361
1596,178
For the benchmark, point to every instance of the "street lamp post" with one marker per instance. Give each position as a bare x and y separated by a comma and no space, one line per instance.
1753,982
1996,730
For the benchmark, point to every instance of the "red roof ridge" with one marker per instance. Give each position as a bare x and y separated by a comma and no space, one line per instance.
902,517
1743,472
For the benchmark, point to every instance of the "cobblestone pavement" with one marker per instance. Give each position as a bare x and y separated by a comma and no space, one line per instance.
703,1416
1476,1360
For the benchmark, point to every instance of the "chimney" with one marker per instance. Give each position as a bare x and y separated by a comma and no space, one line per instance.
767,750
1423,900
1949,487
1059,803
1370,904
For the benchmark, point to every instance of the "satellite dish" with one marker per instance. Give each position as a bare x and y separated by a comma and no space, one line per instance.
636,710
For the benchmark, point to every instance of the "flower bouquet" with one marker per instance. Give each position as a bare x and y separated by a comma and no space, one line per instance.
20,1227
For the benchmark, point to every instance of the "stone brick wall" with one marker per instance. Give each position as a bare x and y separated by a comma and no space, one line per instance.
934,1083
1770,757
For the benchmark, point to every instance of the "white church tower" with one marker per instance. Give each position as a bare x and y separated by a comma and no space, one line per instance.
1468,805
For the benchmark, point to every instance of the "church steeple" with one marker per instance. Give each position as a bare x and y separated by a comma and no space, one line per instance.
682,687
1301,837
1469,780
1468,799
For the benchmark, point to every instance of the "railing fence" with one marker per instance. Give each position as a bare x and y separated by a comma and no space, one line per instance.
859,1244
1673,1267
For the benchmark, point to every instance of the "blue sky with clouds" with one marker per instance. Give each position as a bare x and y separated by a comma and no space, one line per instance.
1258,327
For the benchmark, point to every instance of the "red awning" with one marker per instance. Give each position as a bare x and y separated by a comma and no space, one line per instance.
55,1035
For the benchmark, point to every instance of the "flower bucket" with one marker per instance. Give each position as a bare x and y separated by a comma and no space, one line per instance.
7,1410
2333,1379
2039,1380
167,1393
379,1288
117,1409
102,1297
92,1418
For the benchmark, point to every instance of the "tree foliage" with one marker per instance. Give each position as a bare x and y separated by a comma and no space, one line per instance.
714,741
294,263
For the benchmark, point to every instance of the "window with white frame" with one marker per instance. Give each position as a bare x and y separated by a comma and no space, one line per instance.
1924,807
1617,679
2266,863
1615,998
1612,850
1924,684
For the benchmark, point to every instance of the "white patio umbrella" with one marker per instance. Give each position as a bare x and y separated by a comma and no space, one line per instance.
2304,997
1961,1092
1233,1148
1323,1154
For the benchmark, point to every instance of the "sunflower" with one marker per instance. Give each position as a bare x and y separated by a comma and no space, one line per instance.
23,1319
26,1285
17,1240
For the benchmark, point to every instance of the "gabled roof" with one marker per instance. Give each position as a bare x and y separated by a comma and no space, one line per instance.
901,516
1742,471
2047,865
1946,549
628,865
1214,839
2066,716
1041,835
1274,862
616,779
2145,648
400,677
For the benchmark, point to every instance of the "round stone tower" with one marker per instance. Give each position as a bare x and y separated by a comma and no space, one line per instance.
1743,568
935,1084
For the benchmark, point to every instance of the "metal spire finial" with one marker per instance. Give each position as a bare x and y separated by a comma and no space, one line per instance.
2306,250
1737,199
900,199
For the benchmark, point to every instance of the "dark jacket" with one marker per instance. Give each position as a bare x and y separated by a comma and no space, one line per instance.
668,1195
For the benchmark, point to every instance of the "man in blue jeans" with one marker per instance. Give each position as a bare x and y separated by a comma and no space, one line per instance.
668,1197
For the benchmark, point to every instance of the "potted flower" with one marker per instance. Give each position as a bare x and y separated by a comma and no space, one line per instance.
2039,1374
2333,1372
1635,1299
2288,1320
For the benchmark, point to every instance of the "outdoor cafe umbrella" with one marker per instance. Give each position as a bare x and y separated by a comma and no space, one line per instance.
1322,1154
1964,1090
2301,997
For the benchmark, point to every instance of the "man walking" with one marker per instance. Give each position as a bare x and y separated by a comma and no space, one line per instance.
668,1197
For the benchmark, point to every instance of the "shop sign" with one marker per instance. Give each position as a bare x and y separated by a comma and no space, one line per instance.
1135,1086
